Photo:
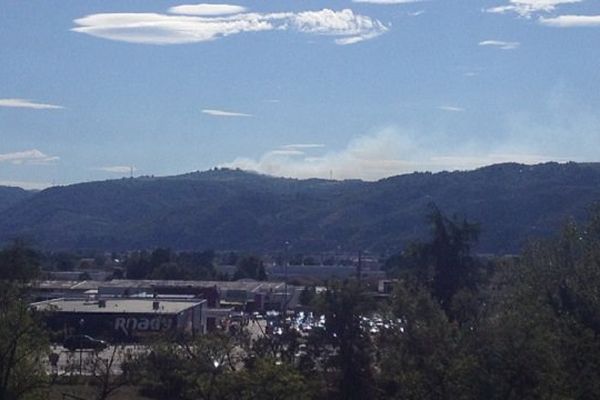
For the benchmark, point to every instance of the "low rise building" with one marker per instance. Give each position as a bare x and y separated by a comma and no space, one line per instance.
243,295
123,319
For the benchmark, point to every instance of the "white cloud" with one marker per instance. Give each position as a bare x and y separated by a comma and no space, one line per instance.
163,29
167,29
27,185
24,103
353,27
416,13
351,40
303,146
207,9
387,1
381,155
286,152
527,8
221,113
572,21
451,108
32,156
118,169
500,44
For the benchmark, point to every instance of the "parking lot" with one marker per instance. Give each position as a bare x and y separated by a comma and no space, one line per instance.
88,362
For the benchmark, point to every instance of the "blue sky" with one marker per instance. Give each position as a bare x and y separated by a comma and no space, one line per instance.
351,89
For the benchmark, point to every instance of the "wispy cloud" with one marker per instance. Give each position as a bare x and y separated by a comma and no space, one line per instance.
387,1
118,169
164,29
207,9
572,21
303,146
24,103
528,8
292,150
451,108
286,152
500,44
221,113
32,156
416,13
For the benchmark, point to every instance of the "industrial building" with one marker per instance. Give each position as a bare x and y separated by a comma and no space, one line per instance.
98,298
123,319
242,295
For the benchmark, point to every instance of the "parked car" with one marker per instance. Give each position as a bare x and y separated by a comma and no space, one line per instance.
84,342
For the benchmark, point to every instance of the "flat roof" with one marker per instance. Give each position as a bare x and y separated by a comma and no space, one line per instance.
116,306
247,285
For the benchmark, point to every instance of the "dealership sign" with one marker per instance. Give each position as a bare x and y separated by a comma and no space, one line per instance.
130,325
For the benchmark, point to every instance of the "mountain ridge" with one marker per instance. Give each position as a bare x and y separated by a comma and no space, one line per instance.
10,195
229,209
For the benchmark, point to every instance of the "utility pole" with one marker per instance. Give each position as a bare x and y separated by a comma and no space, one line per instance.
285,279
359,266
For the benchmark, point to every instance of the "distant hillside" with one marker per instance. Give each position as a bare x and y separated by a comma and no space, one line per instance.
9,196
228,209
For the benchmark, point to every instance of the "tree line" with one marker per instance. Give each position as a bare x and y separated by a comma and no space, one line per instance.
455,327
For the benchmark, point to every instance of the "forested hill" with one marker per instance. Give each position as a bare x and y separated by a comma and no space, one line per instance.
236,210
9,196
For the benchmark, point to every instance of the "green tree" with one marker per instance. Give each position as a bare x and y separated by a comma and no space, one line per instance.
546,325
251,267
23,347
200,265
160,256
18,262
138,266
62,261
268,379
170,271
185,368
343,305
449,255
444,263
422,354
307,295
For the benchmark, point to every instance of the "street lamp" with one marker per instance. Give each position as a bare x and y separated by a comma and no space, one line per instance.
81,323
